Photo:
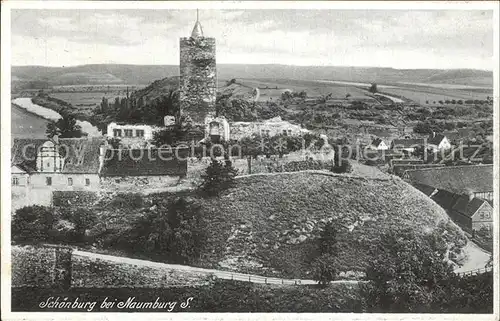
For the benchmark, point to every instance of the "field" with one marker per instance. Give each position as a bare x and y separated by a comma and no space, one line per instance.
421,94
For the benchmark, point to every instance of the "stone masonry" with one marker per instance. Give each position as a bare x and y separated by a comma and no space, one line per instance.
198,77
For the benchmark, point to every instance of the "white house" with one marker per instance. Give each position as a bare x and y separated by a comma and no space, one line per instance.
216,128
379,144
438,142
271,127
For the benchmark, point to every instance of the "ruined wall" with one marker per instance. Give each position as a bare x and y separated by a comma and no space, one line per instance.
198,77
133,183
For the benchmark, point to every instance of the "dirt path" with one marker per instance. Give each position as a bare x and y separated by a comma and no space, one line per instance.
226,275
476,258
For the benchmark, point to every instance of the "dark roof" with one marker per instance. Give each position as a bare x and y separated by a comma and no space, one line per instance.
144,162
402,168
427,190
445,199
81,154
468,207
376,142
455,179
407,143
435,139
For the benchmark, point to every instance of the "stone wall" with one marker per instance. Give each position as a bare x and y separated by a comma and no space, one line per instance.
198,77
49,266
33,266
133,183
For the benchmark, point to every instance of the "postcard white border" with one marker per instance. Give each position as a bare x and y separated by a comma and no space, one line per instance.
5,150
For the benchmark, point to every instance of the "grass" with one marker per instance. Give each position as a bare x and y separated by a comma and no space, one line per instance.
269,223
220,296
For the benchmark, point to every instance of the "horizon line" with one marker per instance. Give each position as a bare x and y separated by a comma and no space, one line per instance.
259,64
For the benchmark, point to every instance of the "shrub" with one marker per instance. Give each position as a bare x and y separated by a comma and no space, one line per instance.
344,167
127,200
33,224
218,177
174,231
323,269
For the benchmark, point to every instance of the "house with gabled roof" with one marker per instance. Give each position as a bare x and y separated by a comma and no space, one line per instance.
407,145
472,214
438,142
41,166
379,144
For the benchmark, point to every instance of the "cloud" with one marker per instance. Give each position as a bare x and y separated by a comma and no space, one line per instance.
453,37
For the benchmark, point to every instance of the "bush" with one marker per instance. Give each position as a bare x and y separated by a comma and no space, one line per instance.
218,177
344,167
127,200
174,231
323,269
33,224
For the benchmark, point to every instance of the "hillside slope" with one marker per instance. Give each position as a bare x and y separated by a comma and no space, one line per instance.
269,224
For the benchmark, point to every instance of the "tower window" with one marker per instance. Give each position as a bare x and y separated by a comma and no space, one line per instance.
48,181
70,181
87,181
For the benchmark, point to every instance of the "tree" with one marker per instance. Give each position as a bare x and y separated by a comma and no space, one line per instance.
328,239
33,224
373,88
323,269
83,219
408,273
218,177
64,127
173,231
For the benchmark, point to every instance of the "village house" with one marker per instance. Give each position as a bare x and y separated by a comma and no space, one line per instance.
438,142
472,214
271,127
41,166
152,167
407,145
378,144
131,135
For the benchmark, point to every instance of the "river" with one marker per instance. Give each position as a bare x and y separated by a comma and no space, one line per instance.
35,114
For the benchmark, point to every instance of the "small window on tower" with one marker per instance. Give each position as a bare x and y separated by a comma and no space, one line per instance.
48,181
70,181
87,181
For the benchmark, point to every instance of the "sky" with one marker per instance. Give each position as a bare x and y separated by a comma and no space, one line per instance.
407,39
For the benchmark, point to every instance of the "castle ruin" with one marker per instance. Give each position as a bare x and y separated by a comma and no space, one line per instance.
198,76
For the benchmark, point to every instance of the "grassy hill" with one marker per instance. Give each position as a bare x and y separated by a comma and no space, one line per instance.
145,74
268,224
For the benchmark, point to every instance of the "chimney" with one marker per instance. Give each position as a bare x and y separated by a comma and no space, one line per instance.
471,196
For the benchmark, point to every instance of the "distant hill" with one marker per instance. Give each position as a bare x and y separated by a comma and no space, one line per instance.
145,74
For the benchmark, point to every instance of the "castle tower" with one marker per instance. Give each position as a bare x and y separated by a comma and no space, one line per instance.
198,76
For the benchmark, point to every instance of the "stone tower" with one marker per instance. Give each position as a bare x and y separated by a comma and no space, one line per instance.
198,76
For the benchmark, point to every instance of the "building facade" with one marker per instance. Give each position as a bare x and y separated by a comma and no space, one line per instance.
198,75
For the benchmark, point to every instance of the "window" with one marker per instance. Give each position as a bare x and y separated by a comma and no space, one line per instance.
48,165
117,132
128,132
285,132
15,181
139,133
70,181
290,132
87,182
48,181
